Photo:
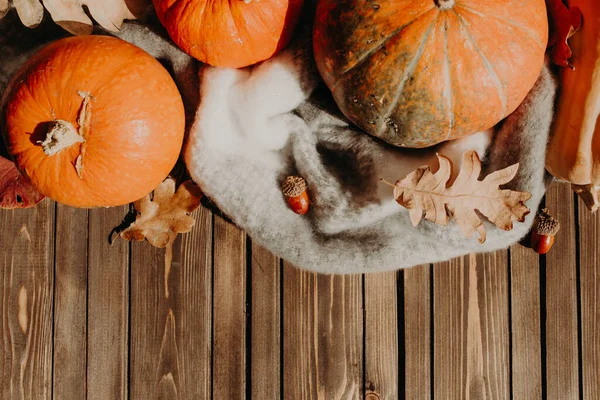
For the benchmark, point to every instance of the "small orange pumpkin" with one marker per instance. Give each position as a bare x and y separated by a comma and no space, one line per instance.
232,33
418,72
93,121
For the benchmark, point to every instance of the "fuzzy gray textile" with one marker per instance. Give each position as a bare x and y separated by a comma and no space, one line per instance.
249,129
246,139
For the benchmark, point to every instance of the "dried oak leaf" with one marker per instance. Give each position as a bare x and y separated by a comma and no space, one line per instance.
564,22
15,190
167,213
423,192
71,15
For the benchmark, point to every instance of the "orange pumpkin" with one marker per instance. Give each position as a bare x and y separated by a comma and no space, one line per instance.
418,72
228,33
93,121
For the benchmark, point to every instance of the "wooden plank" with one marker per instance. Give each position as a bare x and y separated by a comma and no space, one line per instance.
450,286
471,354
149,318
323,326
589,250
525,324
417,332
266,324
108,307
299,337
194,336
27,257
70,303
170,316
381,336
562,374
229,312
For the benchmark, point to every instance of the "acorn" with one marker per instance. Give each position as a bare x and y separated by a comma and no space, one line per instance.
294,191
545,227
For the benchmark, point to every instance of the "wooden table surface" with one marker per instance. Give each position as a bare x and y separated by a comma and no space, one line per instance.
228,320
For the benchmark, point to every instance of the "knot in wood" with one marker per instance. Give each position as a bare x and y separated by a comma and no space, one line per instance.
372,396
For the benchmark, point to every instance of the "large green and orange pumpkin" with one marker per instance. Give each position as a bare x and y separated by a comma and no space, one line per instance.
93,121
229,33
418,72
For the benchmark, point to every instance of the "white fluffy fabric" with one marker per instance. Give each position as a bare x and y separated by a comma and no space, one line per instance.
254,127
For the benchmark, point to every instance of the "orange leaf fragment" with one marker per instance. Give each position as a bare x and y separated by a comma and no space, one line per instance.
428,195
564,22
160,218
15,190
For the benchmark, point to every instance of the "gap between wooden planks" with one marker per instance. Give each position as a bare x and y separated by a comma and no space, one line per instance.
237,322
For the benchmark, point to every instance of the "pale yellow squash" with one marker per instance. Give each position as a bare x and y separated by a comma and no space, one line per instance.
574,148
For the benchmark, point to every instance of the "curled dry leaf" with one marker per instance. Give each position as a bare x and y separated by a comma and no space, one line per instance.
564,22
590,194
167,213
15,190
71,15
427,194
4,7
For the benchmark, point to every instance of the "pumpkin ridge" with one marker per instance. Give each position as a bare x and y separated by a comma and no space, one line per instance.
235,23
175,5
488,65
369,53
448,82
507,21
33,98
174,8
409,71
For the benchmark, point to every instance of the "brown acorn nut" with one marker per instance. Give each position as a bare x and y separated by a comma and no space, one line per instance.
545,227
294,191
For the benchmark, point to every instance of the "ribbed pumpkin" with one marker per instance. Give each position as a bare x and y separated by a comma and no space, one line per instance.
418,72
93,121
229,33
574,148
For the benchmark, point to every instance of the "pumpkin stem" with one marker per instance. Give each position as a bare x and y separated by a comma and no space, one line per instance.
590,194
61,135
444,4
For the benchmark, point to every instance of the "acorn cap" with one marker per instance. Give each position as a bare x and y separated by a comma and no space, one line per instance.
545,224
293,186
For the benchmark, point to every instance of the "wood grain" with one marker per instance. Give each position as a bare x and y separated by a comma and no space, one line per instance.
70,303
266,325
471,354
170,312
525,324
562,374
152,323
194,294
381,335
229,312
172,349
300,353
108,307
589,251
417,332
323,325
27,262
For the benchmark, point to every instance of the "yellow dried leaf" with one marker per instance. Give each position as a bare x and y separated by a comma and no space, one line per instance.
428,195
161,218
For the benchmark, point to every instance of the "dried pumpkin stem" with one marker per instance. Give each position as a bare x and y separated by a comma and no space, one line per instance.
61,135
590,194
444,4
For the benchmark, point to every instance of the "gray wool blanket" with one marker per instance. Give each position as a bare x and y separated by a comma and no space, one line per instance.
250,128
